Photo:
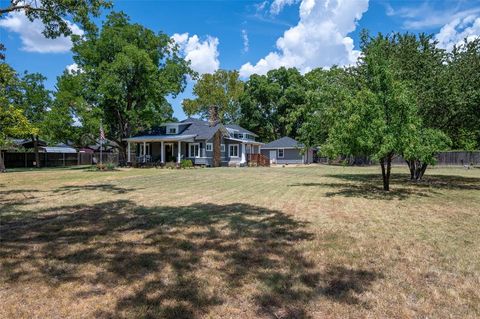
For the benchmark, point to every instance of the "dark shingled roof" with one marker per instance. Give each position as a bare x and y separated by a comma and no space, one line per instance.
284,142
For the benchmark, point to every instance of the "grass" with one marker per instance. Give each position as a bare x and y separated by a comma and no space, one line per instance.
306,242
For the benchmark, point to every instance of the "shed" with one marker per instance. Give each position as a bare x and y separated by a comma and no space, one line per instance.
286,150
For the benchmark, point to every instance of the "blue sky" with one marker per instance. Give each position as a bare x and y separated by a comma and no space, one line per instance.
255,36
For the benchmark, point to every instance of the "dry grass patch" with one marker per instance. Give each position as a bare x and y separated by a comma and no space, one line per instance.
305,242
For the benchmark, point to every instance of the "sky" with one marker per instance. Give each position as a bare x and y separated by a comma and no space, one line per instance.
253,36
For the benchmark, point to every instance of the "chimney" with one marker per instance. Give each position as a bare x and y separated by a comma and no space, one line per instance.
213,115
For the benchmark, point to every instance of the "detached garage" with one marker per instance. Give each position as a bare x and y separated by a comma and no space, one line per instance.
287,151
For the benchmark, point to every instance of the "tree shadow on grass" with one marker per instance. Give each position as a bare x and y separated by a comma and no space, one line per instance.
73,189
369,186
176,262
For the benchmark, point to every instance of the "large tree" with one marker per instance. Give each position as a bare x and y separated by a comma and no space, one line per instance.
326,92
273,104
36,101
127,72
216,98
13,122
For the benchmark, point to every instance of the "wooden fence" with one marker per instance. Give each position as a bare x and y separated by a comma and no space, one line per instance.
450,158
27,159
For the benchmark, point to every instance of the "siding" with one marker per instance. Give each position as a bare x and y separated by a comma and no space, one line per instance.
290,156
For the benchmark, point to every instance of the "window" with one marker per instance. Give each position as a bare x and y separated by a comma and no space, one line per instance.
280,153
233,150
209,147
222,147
147,149
171,129
194,150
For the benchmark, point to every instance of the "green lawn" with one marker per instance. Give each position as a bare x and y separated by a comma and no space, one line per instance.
305,242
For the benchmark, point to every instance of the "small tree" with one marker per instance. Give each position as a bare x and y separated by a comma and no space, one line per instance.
422,150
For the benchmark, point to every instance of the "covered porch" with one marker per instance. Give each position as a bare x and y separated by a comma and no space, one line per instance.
157,149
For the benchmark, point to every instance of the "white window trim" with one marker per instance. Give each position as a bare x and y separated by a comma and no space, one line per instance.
209,147
190,150
283,153
222,147
230,150
175,127
147,149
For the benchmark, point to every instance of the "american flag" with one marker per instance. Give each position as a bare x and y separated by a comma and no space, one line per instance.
102,133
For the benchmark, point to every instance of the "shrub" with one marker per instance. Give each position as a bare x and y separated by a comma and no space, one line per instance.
186,163
105,167
170,165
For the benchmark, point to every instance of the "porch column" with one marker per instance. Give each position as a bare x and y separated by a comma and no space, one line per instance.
144,151
128,153
179,152
242,159
162,152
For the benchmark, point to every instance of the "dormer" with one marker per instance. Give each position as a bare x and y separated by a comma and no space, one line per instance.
171,129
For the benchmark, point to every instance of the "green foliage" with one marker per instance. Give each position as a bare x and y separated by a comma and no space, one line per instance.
13,122
273,105
221,89
126,73
53,13
425,145
186,163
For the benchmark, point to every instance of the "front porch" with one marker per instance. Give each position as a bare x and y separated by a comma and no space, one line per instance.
159,152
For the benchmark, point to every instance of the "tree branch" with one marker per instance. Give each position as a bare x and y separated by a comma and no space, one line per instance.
22,7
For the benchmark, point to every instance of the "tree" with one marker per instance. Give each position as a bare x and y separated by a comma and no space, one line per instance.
217,97
421,152
462,122
13,122
71,119
35,100
273,104
53,13
126,73
326,91
222,89
381,119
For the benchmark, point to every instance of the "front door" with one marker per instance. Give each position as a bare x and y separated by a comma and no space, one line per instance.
273,157
169,152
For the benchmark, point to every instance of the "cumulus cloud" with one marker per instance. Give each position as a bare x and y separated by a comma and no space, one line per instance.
457,30
203,55
318,40
31,34
277,5
245,41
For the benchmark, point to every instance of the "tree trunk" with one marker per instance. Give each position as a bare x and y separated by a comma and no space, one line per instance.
2,163
417,169
386,164
35,149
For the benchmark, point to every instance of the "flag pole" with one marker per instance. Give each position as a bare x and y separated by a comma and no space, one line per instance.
101,141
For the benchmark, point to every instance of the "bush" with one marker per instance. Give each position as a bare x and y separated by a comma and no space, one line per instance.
186,163
170,165
106,167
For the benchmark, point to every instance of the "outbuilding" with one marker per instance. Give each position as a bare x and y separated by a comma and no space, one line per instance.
286,150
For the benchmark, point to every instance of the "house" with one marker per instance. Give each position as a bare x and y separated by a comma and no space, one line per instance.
193,139
286,150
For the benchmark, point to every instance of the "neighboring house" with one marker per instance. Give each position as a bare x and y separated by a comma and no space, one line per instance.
287,151
192,139
26,143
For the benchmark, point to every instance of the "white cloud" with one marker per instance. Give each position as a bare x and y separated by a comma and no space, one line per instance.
245,41
278,5
318,40
424,15
31,34
72,68
457,30
203,55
